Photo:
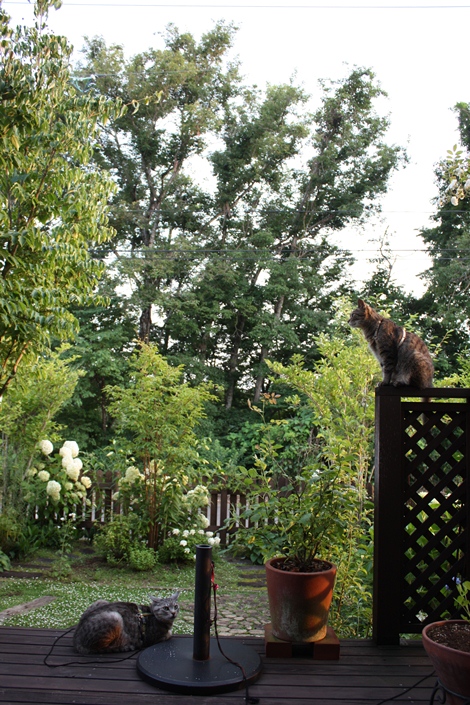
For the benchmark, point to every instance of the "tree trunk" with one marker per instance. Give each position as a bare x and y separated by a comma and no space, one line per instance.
145,324
264,353
233,361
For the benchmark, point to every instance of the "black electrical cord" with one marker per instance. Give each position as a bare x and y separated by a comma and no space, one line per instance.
407,690
80,663
248,698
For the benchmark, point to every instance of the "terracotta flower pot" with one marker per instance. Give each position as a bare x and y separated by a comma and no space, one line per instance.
299,602
452,665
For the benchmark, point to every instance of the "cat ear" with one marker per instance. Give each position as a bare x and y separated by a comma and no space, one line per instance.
361,303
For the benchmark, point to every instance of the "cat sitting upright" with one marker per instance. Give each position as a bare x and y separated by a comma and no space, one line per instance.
404,358
107,627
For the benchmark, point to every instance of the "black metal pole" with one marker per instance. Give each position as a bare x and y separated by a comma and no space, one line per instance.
202,603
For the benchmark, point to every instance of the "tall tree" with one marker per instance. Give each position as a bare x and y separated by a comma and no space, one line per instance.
240,267
277,226
445,306
53,200
149,149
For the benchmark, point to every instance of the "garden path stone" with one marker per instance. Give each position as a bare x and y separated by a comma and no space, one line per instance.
26,607
244,614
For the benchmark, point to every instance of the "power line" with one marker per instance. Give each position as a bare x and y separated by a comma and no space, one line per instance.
252,6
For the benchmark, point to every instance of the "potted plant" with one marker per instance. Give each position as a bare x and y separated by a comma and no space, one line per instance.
295,514
447,644
310,518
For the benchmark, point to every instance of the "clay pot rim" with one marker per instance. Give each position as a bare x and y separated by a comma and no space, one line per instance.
269,565
425,636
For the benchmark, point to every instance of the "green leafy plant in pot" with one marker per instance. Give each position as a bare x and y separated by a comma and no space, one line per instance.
447,644
296,513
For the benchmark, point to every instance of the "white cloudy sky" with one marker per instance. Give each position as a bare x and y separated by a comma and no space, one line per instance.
419,51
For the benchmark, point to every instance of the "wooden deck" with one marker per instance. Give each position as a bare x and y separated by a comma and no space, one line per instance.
364,675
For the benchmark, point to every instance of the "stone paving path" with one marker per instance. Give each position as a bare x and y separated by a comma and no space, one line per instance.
242,614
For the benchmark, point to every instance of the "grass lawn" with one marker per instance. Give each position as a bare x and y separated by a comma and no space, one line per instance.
91,579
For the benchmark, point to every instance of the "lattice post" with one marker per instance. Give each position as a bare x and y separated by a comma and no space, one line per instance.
422,508
387,523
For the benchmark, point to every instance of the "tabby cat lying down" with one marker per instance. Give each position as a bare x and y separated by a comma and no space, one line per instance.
107,627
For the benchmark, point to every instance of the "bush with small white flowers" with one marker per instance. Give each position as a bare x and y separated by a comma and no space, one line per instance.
57,484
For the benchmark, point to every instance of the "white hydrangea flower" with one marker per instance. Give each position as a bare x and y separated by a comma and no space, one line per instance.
31,472
86,482
73,473
133,474
115,497
175,532
209,534
53,489
67,462
185,533
454,200
204,521
183,542
68,486
73,446
77,464
44,475
201,532
192,532
46,447
187,550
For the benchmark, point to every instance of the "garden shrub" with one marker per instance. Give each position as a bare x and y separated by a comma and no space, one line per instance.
115,540
142,558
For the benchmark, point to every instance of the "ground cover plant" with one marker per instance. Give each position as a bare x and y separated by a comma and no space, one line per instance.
92,579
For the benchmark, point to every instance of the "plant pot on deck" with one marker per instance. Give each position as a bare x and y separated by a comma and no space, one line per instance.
452,665
299,603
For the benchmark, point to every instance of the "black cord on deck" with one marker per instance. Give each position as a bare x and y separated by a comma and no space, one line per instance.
80,663
248,699
407,690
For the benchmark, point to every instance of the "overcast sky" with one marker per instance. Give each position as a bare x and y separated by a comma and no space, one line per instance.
418,50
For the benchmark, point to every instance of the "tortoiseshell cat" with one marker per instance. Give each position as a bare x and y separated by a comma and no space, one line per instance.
404,358
125,626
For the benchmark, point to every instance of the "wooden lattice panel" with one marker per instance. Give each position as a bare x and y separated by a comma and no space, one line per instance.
434,532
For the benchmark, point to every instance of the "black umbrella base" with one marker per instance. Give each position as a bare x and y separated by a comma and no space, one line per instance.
170,665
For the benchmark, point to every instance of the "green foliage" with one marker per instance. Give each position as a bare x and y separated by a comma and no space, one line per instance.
5,563
156,416
11,525
53,201
462,601
444,307
321,506
224,277
142,558
27,414
115,540
68,533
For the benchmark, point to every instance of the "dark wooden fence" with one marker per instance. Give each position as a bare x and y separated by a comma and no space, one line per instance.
422,536
223,504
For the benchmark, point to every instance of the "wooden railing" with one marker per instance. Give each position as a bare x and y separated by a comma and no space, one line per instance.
422,530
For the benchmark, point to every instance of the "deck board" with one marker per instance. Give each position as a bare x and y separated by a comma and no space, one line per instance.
364,675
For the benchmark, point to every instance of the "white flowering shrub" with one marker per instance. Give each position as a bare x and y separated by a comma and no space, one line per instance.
160,501
57,484
180,545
